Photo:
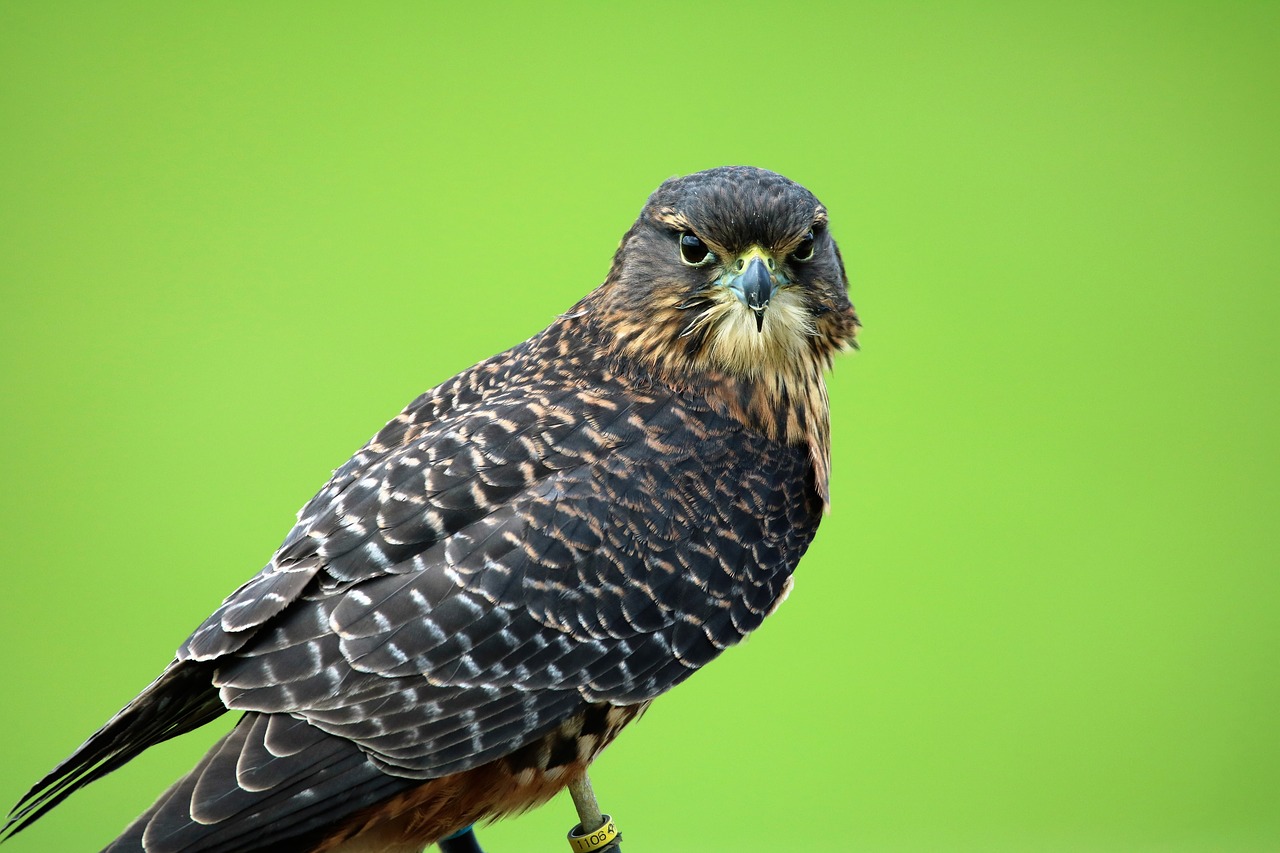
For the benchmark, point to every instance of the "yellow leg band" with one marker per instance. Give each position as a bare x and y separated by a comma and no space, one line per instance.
585,842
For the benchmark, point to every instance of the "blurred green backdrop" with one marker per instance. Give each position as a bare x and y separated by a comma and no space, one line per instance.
1044,613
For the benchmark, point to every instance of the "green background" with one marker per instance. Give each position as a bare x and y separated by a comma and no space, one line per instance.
1044,613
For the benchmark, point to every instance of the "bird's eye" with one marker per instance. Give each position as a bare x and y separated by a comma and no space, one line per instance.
804,251
694,252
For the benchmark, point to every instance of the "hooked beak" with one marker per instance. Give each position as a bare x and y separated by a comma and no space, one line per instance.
755,285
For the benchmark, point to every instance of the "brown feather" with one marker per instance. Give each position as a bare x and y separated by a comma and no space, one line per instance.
408,822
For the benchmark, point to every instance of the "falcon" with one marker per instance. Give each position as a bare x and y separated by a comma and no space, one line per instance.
530,553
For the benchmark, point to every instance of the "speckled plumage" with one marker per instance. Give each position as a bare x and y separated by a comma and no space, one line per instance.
518,563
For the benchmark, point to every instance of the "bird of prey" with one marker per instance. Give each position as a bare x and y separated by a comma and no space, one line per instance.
524,558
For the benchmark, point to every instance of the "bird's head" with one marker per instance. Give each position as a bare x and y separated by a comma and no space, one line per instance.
732,269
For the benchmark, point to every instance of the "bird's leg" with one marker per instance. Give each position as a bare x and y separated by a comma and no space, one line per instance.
584,800
462,841
595,832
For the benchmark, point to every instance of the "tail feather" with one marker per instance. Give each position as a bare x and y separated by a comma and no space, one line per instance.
273,783
181,699
225,805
